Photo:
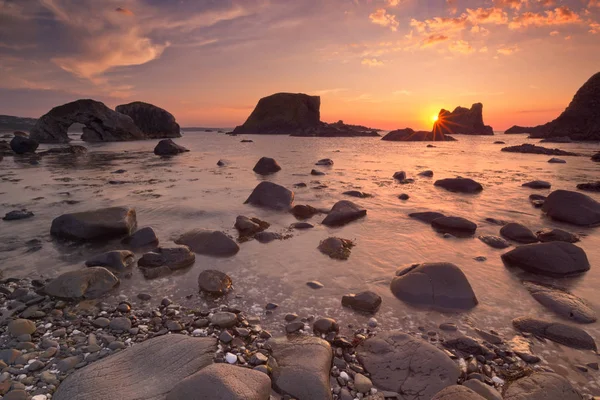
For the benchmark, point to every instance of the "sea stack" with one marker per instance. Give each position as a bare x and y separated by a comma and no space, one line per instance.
153,121
462,121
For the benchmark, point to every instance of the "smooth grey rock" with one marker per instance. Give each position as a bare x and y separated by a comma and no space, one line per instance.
148,370
88,283
552,259
153,121
567,335
167,147
519,233
342,213
494,241
460,185
266,166
214,282
270,195
562,302
542,386
400,363
117,260
105,223
211,243
457,392
572,207
486,391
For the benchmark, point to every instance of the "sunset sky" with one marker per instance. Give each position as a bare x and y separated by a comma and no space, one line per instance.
383,63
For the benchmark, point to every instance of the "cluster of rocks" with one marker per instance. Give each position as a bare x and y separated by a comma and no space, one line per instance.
534,149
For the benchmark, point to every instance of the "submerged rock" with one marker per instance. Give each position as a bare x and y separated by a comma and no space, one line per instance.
533,149
301,225
494,241
410,135
454,225
23,145
590,186
427,173
557,235
211,243
441,286
561,302
301,211
537,185
16,215
271,195
214,282
367,301
266,166
168,147
537,200
117,260
542,386
104,223
427,216
153,121
74,150
336,247
462,121
88,283
267,237
555,160
325,161
519,233
552,259
342,213
567,335
572,207
317,173
460,185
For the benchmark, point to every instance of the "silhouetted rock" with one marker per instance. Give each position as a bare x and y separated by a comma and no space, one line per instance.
454,225
460,185
557,235
105,223
271,195
516,129
88,283
561,302
266,166
533,149
462,121
426,216
542,386
23,145
555,160
589,186
537,185
553,259
410,135
144,237
249,226
519,233
343,212
302,211
171,257
153,121
16,215
325,161
337,129
596,157
167,147
572,207
557,332
101,123
316,173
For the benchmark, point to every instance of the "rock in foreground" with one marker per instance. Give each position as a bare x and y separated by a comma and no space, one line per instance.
460,185
556,259
457,392
342,213
336,248
89,283
168,147
572,207
271,195
519,233
23,145
211,243
567,335
561,302
105,223
153,121
542,386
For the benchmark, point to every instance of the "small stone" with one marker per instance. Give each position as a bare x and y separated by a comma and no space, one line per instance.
271,306
314,285
294,327
225,337
362,383
231,358
290,317
325,325
144,296
121,324
101,322
448,326
21,326
224,319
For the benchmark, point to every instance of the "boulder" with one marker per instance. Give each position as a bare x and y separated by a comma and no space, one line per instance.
167,147
302,211
537,185
533,149
400,363
266,166
267,237
367,301
283,113
427,173
462,121
210,243
561,302
596,157
542,386
441,286
457,392
223,382
572,207
302,367
249,226
214,282
557,235
145,237
271,195
410,135
153,121
460,185
454,225
567,335
342,213
148,370
89,283
323,326
556,259
104,223
426,216
486,391
336,248
162,260
101,123
519,233
589,186
494,241
23,145
117,260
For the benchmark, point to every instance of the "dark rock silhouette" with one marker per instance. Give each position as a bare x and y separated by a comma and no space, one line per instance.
533,149
410,135
579,121
462,121
23,145
167,147
153,121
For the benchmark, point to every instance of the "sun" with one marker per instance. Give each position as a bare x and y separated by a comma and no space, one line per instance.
434,118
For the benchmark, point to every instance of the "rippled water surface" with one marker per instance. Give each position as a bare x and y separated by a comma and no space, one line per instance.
190,191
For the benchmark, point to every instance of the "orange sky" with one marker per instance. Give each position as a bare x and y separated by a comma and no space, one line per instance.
383,63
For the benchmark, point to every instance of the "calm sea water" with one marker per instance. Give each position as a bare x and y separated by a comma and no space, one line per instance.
190,191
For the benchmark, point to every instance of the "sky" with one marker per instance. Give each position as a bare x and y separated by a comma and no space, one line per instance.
387,64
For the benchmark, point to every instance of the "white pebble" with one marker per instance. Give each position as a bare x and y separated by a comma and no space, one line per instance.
344,376
77,332
40,397
498,381
48,325
197,332
21,377
230,358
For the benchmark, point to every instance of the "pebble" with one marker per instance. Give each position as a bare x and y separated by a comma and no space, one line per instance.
362,383
314,285
231,358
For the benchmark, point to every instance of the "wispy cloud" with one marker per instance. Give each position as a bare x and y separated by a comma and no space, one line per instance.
402,92
381,17
559,16
508,50
372,62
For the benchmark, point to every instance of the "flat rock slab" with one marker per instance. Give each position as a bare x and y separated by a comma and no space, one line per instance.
542,386
401,363
88,283
105,223
494,241
459,185
426,216
561,302
572,207
552,259
557,332
210,243
303,366
271,195
344,212
148,370
457,392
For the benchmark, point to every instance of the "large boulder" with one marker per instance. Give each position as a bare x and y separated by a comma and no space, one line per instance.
462,121
105,223
457,392
561,302
519,233
88,283
567,335
168,147
101,123
460,185
400,363
23,145
223,382
283,113
343,212
441,286
529,148
148,370
409,135
572,207
542,386
302,367
271,195
556,259
266,166
153,121
211,243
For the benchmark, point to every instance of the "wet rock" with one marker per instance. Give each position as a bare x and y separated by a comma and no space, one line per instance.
314,285
567,335
20,326
356,193
448,326
590,186
294,327
438,285
153,121
362,384
301,225
572,207
485,391
88,283
211,243
460,185
336,248
427,216
454,225
457,392
221,163
537,185
364,301
224,319
555,160
17,215
267,237
303,211
142,238
542,386
120,324
314,172
72,150
400,175
104,223
168,147
249,226
173,258
128,370
489,337
537,200
303,366
117,260
552,259
23,145
561,302
270,195
557,235
214,282
427,173
400,363
325,325
403,196
223,382
342,213
519,233
325,161
266,166
533,149
494,241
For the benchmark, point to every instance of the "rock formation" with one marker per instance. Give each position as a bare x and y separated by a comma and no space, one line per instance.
153,121
462,121
410,135
579,121
101,123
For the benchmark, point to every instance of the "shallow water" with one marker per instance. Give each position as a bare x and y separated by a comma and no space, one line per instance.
190,191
